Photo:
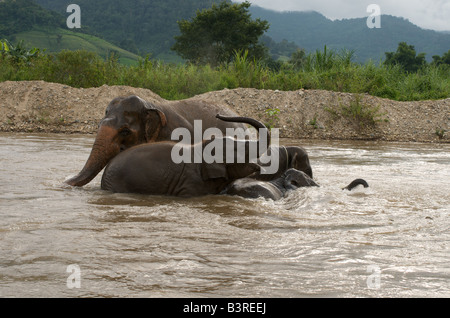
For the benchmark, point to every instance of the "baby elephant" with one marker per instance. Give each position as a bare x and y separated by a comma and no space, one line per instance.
288,157
274,189
277,188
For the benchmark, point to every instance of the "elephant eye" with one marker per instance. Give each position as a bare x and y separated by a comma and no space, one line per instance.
125,132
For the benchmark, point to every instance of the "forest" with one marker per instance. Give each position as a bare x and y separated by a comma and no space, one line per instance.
405,74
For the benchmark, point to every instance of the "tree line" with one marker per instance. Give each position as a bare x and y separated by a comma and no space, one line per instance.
214,35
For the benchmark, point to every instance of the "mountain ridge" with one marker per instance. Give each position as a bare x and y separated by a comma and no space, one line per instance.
351,34
144,26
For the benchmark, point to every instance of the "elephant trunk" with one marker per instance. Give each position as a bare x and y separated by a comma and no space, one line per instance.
104,149
247,120
356,183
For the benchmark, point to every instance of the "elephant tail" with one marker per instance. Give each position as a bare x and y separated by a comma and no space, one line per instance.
355,183
247,120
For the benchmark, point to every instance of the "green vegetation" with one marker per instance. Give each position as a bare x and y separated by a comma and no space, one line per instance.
214,34
272,115
23,21
327,70
20,15
311,30
18,53
58,39
405,56
236,60
139,26
362,114
440,132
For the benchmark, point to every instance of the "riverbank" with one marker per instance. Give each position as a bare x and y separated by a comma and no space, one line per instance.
38,106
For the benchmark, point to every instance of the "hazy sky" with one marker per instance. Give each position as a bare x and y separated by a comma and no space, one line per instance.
427,14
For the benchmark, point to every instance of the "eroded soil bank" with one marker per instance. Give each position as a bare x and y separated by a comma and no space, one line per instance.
38,106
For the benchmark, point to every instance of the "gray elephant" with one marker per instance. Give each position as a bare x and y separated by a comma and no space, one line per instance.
277,188
130,121
274,189
152,169
288,157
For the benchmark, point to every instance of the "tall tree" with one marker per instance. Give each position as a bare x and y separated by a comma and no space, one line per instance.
445,59
214,35
405,56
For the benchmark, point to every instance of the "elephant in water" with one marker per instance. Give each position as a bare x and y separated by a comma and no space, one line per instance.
130,121
277,188
274,189
288,157
151,168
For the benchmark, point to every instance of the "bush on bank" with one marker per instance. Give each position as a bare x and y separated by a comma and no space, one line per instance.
328,71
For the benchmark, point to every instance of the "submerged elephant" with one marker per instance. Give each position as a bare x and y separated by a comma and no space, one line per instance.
277,188
151,168
288,157
131,121
274,189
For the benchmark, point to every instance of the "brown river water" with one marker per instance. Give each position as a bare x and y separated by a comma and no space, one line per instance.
389,240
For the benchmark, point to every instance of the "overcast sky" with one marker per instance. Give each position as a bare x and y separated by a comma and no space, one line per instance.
427,14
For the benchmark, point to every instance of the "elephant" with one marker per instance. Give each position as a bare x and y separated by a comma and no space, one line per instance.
277,188
274,189
151,168
289,157
130,121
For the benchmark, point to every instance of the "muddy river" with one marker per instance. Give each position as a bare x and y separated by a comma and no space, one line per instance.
389,240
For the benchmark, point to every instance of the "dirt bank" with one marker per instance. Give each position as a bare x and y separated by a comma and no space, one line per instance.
38,106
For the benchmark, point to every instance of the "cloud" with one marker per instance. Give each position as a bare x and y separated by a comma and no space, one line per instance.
428,14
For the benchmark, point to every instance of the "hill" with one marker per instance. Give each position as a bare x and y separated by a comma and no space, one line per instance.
45,29
140,26
57,39
149,26
312,30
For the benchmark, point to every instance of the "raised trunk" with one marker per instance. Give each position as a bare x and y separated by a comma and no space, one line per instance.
256,124
104,149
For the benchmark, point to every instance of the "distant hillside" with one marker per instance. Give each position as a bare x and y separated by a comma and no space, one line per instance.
146,26
21,15
149,26
45,29
140,26
57,39
311,31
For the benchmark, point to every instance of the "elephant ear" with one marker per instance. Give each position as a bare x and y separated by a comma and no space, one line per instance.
154,121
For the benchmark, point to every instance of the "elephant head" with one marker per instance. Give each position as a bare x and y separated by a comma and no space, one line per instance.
128,121
294,179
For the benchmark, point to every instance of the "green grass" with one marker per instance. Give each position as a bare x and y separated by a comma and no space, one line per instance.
56,40
328,70
362,114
